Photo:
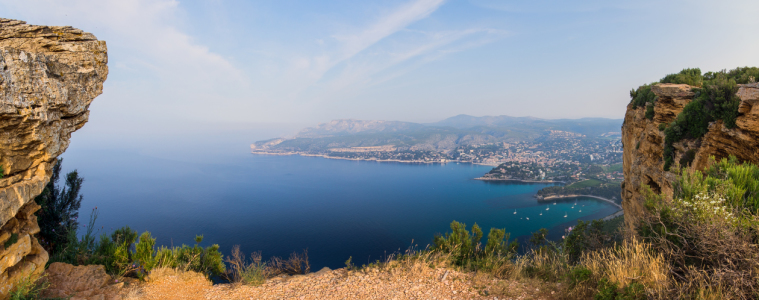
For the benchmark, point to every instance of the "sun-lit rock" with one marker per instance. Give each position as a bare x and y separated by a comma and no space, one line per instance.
49,75
644,142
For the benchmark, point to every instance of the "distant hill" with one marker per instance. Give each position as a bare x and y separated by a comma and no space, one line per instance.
586,126
440,136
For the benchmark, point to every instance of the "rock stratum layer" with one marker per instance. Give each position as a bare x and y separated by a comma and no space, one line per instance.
644,142
49,75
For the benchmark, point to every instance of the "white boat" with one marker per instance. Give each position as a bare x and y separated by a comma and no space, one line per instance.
515,211
581,210
527,219
565,215
554,203
541,213
548,207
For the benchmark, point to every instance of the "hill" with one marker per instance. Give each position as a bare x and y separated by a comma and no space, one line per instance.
444,136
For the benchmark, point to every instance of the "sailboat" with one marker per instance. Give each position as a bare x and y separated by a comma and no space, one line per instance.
527,219
554,203
565,215
581,210
515,211
541,213
547,207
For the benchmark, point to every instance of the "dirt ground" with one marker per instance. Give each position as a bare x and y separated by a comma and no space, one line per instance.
414,283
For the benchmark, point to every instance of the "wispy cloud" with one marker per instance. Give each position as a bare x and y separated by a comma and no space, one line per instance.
381,51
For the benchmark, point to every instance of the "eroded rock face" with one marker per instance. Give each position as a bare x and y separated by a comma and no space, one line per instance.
81,282
644,143
49,75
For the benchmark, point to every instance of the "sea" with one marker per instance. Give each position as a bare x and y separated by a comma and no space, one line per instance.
276,205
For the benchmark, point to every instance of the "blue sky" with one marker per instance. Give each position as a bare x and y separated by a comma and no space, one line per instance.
306,62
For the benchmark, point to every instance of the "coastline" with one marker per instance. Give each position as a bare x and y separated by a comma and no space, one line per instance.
518,180
539,198
575,196
356,159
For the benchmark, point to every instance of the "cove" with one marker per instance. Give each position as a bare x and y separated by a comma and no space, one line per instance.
334,208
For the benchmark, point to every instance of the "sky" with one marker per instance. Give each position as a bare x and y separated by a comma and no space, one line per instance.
181,65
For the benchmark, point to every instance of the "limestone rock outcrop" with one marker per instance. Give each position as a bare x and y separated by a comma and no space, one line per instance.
49,75
644,142
81,283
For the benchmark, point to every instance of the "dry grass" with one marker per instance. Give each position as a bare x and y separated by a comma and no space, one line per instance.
545,265
255,271
633,261
168,283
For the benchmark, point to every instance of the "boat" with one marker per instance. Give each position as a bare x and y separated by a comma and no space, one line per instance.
515,211
565,215
554,203
581,210
548,207
527,219
541,213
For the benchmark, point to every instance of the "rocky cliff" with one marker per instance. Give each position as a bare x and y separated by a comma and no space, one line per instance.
644,142
49,75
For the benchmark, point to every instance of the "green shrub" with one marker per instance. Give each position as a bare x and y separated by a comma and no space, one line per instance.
715,100
466,250
686,76
708,231
584,237
578,276
607,290
642,96
145,253
28,288
123,254
688,158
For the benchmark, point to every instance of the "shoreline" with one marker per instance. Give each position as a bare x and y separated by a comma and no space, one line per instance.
540,198
367,159
518,180
575,196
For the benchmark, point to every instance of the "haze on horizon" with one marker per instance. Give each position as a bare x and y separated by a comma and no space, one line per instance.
308,62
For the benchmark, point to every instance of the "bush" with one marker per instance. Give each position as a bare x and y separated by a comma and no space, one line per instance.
466,250
688,158
585,237
715,100
28,288
686,76
708,231
59,210
123,254
253,273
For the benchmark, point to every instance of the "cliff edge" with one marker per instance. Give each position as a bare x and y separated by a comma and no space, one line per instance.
644,142
49,75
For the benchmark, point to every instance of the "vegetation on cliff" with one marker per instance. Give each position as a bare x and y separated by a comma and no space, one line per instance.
708,232
59,212
124,254
715,100
700,245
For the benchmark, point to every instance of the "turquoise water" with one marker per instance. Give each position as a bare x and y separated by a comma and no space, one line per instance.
334,208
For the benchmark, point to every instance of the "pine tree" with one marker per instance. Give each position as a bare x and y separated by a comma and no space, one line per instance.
60,209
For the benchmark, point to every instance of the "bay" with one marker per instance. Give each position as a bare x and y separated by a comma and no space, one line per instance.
335,209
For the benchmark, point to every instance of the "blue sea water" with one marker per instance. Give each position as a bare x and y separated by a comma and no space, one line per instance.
334,208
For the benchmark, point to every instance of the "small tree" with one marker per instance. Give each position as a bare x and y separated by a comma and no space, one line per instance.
60,209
